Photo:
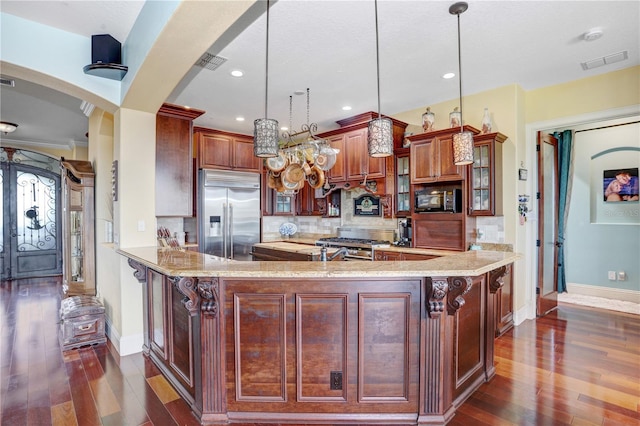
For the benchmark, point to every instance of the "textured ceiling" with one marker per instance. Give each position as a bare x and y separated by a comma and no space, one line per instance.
329,47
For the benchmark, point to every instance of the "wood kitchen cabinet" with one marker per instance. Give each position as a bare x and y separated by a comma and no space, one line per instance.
174,165
431,156
170,330
504,302
307,204
78,228
353,162
485,175
439,231
225,150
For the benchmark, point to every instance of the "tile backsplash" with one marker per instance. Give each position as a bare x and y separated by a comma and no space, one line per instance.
327,226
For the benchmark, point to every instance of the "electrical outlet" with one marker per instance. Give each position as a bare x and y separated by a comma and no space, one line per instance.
622,276
612,275
335,380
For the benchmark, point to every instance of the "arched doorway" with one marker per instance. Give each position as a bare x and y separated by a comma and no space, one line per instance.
30,242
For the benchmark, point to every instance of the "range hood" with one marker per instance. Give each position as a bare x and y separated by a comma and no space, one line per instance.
106,58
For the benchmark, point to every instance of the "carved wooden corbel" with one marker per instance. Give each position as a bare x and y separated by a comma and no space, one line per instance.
458,287
186,286
496,277
436,291
140,271
208,291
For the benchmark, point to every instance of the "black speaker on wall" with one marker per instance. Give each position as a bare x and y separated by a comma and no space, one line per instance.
106,58
105,49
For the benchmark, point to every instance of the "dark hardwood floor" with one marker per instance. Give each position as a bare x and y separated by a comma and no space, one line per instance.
578,366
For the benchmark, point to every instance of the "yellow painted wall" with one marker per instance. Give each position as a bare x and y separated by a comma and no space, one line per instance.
512,109
606,91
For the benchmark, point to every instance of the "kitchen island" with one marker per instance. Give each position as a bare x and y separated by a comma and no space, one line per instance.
396,342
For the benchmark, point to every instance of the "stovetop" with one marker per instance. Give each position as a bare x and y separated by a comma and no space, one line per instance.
351,242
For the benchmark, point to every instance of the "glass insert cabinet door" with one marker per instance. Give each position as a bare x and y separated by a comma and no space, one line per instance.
402,184
485,175
78,228
481,179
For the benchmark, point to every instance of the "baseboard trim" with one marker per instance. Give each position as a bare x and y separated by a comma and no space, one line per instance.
124,345
605,292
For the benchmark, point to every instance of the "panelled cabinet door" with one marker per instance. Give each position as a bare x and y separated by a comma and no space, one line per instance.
422,159
447,170
174,160
338,172
243,157
215,151
174,177
356,154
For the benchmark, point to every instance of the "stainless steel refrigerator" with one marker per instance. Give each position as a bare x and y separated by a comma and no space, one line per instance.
229,212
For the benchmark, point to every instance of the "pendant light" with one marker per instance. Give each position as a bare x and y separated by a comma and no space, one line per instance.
463,141
265,131
380,137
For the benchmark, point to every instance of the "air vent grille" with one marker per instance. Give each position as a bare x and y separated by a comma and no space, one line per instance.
7,82
210,62
605,60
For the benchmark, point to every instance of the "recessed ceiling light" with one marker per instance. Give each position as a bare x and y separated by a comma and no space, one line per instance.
346,108
239,118
448,75
237,73
284,128
299,92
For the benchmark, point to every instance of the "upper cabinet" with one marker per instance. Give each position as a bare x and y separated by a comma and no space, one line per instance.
485,175
353,162
225,150
174,165
78,221
431,156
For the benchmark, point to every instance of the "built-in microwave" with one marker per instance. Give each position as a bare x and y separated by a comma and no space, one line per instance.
438,200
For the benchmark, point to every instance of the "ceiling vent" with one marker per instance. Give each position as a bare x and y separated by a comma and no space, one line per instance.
605,60
210,62
7,82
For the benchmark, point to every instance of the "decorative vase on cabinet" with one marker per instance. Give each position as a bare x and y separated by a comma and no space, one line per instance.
78,249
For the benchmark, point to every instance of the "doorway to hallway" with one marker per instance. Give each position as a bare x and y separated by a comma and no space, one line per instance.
30,242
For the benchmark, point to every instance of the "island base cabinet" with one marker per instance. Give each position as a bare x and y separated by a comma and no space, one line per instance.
402,350
337,348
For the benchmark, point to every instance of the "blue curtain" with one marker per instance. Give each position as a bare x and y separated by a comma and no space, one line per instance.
564,168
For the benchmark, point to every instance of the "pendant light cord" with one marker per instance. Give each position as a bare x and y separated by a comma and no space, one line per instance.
266,73
377,59
460,73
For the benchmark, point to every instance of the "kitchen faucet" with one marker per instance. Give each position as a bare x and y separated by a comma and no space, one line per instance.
323,253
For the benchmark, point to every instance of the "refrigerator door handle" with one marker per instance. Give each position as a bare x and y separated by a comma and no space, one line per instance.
231,230
225,230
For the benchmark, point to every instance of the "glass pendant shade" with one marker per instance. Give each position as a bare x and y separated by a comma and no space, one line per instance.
463,148
265,137
380,137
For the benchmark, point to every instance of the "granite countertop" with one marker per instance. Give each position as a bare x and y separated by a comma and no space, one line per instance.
192,264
